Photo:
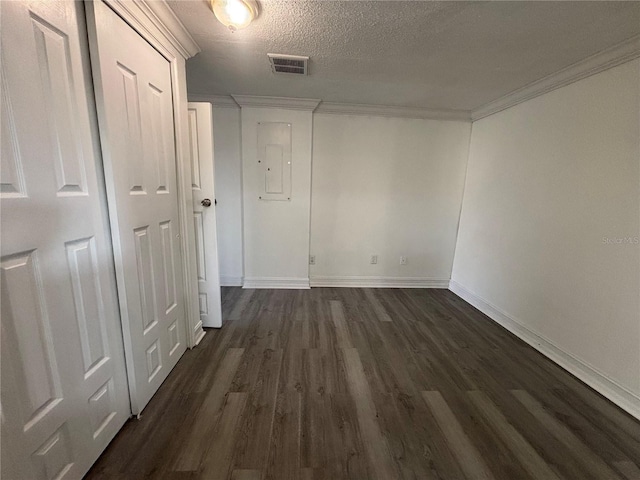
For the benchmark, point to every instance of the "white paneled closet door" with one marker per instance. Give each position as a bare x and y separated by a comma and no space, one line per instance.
135,111
204,212
64,389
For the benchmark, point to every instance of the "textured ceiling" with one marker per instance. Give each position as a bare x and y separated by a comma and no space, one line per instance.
429,54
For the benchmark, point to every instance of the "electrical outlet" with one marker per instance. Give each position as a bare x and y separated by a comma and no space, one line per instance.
403,260
312,259
374,260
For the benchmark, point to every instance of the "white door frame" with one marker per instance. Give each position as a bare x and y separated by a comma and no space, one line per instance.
157,24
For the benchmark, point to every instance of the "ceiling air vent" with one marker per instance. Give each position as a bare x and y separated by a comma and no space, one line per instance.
288,64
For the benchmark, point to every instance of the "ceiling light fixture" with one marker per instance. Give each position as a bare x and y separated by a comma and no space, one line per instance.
235,14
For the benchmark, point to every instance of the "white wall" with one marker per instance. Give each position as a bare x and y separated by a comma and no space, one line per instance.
548,180
276,233
389,187
381,185
228,169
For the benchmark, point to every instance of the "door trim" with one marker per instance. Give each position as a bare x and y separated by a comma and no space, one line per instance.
157,24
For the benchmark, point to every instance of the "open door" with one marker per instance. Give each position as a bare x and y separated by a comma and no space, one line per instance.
204,212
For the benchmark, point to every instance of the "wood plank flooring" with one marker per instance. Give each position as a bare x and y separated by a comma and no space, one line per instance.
369,384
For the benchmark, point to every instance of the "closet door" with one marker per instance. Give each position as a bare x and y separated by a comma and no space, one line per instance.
135,111
64,391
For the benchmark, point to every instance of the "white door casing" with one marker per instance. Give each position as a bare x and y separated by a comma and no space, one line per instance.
204,217
64,388
135,111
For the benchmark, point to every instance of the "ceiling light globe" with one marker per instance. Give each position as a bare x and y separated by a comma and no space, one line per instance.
235,14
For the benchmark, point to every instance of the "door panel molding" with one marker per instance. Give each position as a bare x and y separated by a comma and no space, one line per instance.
64,387
159,26
139,85
204,217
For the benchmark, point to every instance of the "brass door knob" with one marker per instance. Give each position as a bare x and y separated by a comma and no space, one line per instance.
206,202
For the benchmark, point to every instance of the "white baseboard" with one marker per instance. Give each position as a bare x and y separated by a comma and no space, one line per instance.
379,282
200,333
230,281
276,282
618,394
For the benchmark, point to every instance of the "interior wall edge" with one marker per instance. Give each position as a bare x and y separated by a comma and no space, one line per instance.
464,191
609,388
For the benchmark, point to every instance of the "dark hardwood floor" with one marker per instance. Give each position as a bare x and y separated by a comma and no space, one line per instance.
362,384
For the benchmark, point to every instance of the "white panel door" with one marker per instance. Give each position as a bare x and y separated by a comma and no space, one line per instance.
135,112
64,388
204,214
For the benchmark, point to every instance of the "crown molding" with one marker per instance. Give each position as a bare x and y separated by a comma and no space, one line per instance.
237,101
332,108
175,31
157,20
219,101
611,57
307,104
